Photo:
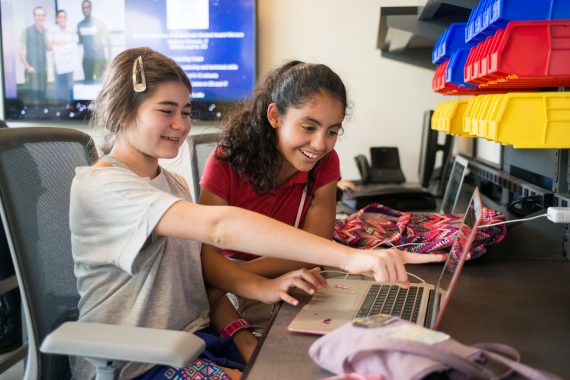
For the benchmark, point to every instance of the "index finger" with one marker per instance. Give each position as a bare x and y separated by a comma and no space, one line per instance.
421,258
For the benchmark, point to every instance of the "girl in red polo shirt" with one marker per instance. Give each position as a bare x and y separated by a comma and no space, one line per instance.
276,157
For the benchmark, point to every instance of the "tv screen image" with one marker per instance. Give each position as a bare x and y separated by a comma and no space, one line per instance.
52,60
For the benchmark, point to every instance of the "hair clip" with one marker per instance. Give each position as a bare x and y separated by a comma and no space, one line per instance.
139,86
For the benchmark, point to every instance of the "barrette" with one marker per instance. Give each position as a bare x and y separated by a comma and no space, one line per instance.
139,86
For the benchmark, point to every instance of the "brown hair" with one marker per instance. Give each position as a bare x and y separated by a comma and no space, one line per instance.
117,103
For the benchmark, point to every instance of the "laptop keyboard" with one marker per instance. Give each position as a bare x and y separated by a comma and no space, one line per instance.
392,300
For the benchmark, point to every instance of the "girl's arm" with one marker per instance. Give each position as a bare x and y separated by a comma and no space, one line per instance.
319,221
246,231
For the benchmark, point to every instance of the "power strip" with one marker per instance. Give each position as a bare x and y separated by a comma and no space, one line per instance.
558,214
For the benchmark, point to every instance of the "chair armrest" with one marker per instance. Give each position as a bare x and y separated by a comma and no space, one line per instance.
124,343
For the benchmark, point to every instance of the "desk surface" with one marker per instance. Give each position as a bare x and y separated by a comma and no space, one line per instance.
521,302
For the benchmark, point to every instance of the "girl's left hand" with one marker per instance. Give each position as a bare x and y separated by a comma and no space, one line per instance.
308,280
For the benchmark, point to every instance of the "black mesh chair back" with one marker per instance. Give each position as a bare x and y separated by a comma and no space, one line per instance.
363,168
37,166
201,145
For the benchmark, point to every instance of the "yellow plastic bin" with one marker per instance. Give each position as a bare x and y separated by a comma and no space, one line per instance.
531,120
471,119
448,117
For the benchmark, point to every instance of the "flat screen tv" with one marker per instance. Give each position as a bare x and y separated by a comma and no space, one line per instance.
52,61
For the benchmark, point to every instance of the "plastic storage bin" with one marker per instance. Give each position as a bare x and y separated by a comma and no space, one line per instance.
523,120
451,39
448,117
525,54
492,15
454,72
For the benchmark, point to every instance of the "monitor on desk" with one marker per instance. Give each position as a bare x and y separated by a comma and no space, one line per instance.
434,155
454,185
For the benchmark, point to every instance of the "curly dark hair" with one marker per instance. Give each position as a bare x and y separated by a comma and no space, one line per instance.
248,142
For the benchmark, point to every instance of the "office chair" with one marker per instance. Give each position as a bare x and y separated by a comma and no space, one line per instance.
201,145
37,166
363,168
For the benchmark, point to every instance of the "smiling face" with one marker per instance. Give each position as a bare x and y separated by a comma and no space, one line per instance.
161,125
306,134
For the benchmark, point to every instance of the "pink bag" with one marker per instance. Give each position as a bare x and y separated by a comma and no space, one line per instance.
397,349
378,226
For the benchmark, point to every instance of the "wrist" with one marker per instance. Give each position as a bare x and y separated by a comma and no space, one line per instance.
234,327
344,259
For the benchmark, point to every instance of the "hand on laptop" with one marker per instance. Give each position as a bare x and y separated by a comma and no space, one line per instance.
276,289
386,265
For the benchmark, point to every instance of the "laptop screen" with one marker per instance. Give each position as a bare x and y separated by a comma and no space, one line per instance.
453,188
457,255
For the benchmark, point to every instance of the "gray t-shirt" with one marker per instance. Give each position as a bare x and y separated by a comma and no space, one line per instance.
125,274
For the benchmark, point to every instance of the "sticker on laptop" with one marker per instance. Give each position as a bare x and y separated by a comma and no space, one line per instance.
374,321
415,333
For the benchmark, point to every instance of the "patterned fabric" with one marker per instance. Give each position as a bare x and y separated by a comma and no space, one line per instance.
200,369
220,352
378,226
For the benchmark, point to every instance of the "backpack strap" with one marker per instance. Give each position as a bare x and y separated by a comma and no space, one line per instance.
510,357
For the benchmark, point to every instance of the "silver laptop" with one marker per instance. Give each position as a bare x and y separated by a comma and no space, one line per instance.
453,188
347,299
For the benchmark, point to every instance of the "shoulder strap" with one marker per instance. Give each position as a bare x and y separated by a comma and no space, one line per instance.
510,357
301,204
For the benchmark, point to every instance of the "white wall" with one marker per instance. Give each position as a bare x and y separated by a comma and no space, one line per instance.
388,97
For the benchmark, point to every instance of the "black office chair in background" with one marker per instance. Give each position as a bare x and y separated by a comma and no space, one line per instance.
37,166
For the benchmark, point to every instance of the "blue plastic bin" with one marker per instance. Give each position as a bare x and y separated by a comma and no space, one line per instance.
451,39
454,71
491,15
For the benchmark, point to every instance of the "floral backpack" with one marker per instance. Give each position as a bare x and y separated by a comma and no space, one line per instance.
378,226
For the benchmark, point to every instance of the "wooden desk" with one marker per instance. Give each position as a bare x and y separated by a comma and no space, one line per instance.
521,302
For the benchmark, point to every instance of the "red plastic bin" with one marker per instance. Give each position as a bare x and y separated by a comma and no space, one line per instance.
525,54
441,85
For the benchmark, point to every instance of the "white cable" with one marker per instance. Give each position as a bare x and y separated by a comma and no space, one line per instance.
403,245
418,277
392,244
346,274
514,221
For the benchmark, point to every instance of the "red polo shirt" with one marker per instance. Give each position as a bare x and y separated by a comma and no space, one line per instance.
280,203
